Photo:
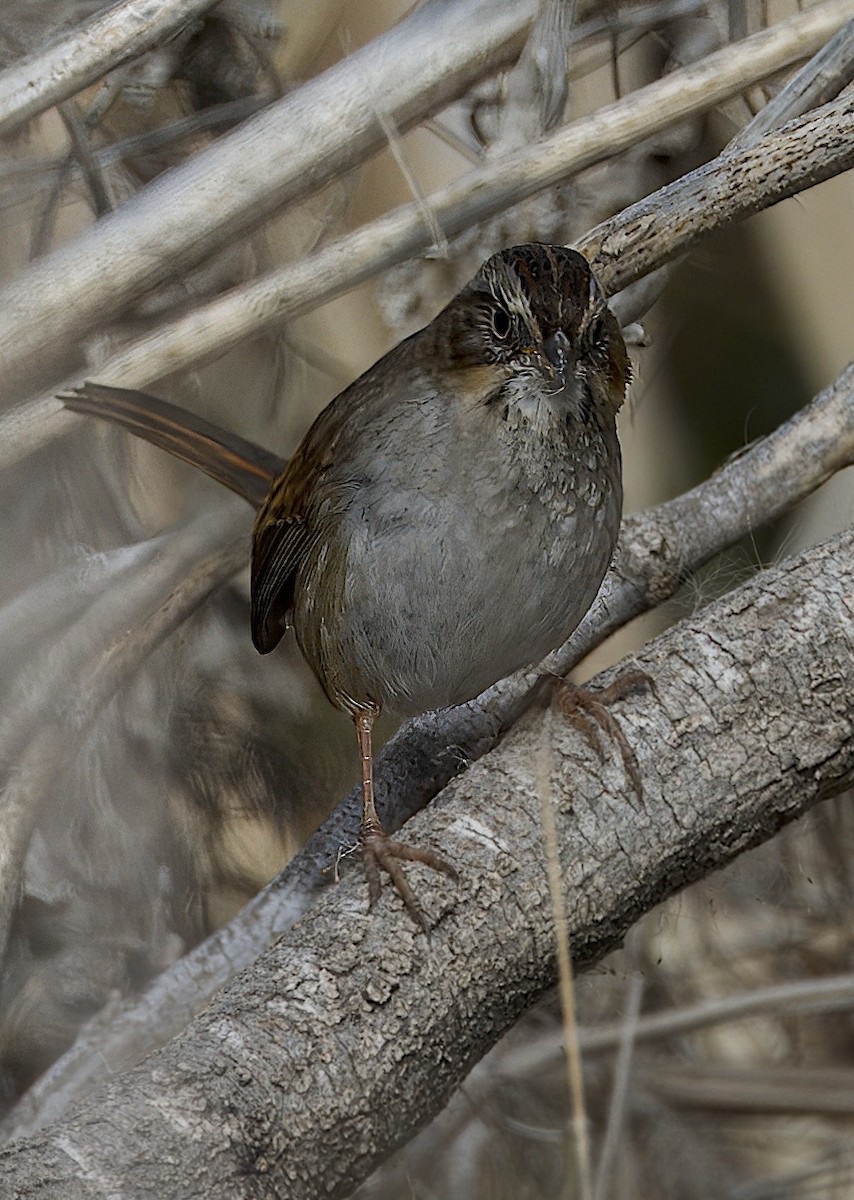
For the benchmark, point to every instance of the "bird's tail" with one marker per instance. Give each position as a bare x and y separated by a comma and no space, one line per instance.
240,465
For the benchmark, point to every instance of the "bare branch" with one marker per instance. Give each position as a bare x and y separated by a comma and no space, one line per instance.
820,145
143,606
658,550
671,220
831,70
776,735
81,56
805,996
287,151
770,1089
778,482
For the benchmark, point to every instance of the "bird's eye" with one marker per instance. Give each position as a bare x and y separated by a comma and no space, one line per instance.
500,319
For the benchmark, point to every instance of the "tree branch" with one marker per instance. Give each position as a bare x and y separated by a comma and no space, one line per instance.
733,185
285,152
83,55
670,221
353,1030
785,473
103,647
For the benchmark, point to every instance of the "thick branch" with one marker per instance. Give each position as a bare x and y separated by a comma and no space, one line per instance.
429,752
347,1035
797,465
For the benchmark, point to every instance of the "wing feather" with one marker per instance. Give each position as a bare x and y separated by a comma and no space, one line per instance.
283,535
299,510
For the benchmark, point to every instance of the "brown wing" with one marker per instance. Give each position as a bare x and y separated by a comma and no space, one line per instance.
288,525
281,538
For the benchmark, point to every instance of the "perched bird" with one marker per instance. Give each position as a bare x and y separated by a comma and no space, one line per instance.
449,517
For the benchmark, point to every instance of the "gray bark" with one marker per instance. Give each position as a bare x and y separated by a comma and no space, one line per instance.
354,1029
81,56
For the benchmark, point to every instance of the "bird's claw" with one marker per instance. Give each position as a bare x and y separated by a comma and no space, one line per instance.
587,710
382,852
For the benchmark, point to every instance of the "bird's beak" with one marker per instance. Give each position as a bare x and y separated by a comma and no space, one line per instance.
558,353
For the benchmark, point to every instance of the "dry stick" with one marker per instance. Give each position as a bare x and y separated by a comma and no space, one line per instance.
235,111
821,147
829,71
355,1017
818,81
23,181
761,1089
621,1086
82,55
284,153
111,616
658,550
808,997
566,988
670,221
508,699
815,83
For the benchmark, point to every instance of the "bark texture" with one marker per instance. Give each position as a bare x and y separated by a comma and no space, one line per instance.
354,1029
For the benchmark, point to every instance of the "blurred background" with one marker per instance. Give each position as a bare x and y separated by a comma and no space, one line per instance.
208,769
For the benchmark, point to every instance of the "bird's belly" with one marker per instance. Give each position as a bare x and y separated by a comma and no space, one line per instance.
435,609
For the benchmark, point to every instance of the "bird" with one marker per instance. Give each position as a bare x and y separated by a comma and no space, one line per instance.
447,519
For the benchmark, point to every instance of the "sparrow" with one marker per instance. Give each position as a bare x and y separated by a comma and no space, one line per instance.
448,518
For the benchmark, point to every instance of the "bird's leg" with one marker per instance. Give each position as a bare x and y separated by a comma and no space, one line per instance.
379,850
585,710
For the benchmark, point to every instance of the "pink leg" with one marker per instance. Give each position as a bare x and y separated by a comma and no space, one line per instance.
379,850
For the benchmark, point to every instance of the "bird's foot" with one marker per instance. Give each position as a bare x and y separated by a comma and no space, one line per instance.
382,852
587,712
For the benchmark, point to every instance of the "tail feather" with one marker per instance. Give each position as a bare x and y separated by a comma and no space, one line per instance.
240,465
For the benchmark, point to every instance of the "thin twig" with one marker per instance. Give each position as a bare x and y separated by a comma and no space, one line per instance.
620,1091
720,192
806,997
756,1088
829,71
284,153
566,988
81,56
21,181
395,145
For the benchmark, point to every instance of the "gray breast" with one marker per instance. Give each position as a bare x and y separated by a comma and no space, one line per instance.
464,564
